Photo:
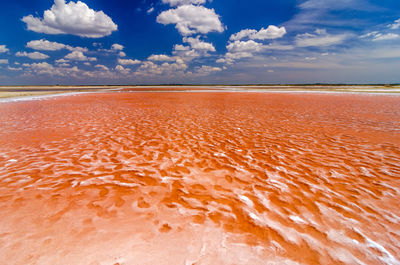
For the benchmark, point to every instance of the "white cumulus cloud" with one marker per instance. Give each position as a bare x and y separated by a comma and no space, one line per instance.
191,19
197,44
3,61
151,69
240,49
117,47
32,55
185,53
45,45
206,70
61,61
160,58
44,68
128,61
122,70
244,46
3,48
102,67
72,18
79,56
246,49
272,32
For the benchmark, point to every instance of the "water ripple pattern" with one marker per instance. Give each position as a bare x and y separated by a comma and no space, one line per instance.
200,178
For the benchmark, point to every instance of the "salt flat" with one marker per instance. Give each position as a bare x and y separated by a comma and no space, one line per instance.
200,178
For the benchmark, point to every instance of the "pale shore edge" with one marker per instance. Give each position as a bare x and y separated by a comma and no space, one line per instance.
223,89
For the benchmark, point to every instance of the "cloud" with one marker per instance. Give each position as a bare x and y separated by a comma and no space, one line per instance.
45,45
79,56
81,49
64,65
320,38
3,61
72,18
387,36
117,47
395,25
32,55
150,10
331,14
121,54
61,61
102,67
377,36
128,61
336,5
14,68
3,48
244,46
272,32
279,47
44,68
246,49
185,53
239,50
206,70
150,69
122,70
160,58
197,44
191,19
183,2
179,47
244,33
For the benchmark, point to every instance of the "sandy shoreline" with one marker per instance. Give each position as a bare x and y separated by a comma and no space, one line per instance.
19,93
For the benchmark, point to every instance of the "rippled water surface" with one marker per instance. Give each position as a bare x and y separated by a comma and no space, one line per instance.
200,178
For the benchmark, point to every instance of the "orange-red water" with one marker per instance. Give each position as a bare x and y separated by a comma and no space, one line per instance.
200,178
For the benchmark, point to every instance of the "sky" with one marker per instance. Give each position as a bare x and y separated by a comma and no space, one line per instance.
120,42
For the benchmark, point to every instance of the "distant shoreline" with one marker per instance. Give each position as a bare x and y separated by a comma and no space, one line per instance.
22,92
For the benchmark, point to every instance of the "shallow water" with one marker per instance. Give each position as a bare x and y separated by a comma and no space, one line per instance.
200,178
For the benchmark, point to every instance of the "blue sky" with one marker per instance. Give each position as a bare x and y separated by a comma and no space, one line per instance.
199,41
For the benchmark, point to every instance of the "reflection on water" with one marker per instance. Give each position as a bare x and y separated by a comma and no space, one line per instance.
203,178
